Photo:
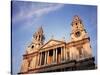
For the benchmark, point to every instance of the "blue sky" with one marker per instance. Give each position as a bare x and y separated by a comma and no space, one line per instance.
55,19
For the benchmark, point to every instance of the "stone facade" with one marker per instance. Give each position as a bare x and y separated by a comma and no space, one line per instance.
56,55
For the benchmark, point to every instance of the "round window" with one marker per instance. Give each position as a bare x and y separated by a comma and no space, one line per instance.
32,46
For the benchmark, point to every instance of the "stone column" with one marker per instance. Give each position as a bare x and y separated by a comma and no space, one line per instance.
45,57
56,55
53,55
82,53
64,53
40,58
61,54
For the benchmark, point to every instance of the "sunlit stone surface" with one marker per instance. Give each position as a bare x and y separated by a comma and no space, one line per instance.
57,55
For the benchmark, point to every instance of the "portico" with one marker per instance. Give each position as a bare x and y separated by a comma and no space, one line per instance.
52,55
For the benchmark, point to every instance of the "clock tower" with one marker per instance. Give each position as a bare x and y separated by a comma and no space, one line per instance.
80,36
78,30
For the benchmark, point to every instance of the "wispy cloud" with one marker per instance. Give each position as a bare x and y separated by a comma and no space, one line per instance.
34,11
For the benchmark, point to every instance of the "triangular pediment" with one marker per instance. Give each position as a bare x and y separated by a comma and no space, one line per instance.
52,42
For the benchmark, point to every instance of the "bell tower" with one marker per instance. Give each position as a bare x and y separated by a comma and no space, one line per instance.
78,30
30,58
38,38
37,41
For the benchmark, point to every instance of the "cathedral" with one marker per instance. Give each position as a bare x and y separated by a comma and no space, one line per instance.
56,55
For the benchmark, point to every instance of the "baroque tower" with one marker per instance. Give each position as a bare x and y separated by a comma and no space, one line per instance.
38,37
78,30
37,42
30,58
79,34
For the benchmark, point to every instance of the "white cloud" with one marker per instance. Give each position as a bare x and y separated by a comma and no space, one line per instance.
34,11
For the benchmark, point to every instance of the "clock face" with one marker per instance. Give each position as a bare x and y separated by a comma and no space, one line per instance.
77,34
32,46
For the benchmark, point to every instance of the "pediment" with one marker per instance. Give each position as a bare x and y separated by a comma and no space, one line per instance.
52,43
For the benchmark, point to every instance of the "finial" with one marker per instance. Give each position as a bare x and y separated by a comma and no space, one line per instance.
40,29
76,18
